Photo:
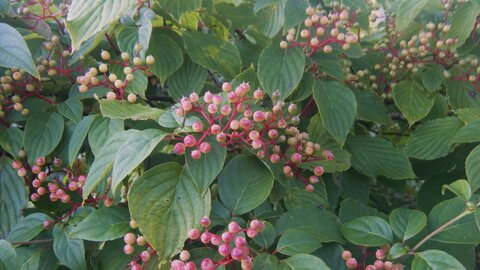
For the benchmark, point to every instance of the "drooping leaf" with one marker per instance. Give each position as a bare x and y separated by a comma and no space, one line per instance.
166,205
243,190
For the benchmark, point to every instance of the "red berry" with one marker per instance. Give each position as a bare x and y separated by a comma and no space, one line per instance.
16,164
35,197
65,198
233,227
42,175
318,170
189,140
227,237
190,266
108,202
179,148
57,162
194,234
47,224
252,233
136,267
215,129
205,221
206,237
145,255
351,263
224,250
196,154
313,179
41,191
197,126
237,253
205,147
216,240
207,264
36,183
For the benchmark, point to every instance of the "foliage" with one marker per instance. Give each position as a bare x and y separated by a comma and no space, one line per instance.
239,134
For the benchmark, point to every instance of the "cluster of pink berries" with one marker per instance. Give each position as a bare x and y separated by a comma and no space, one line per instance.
231,245
271,134
110,80
323,29
130,240
379,264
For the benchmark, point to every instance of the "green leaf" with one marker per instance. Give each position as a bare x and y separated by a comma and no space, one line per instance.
189,78
205,169
86,18
294,13
407,223
13,196
266,238
101,130
4,6
79,135
126,110
337,107
104,224
168,55
43,132
462,94
8,256
142,144
213,53
468,115
331,66
243,190
463,22
331,254
11,140
397,251
432,78
367,231
304,262
265,261
371,107
70,252
320,223
280,69
407,11
375,157
304,88
472,169
27,228
435,260
463,231
249,75
433,139
129,36
351,209
72,109
14,51
271,19
468,133
461,188
297,241
166,205
412,100
177,7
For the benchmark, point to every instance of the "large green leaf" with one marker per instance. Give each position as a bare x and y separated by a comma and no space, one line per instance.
280,69
166,204
337,107
213,53
11,140
435,260
367,231
412,100
294,13
141,144
472,169
407,11
103,224
297,241
189,78
243,190
86,18
271,18
205,169
8,256
265,261
468,115
72,109
433,139
79,135
351,209
126,110
375,157
461,188
407,223
141,34
463,231
303,262
463,22
27,228
371,107
14,51
178,7
462,94
168,55
468,133
432,78
70,252
43,132
101,130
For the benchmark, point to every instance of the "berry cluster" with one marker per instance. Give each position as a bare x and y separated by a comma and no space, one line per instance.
231,244
115,82
325,28
38,14
272,134
130,240
379,264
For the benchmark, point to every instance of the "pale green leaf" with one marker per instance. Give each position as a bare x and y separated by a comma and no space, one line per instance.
412,100
126,110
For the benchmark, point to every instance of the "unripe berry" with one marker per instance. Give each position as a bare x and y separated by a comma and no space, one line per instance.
388,265
283,44
309,188
305,33
275,158
125,56
47,224
108,202
103,68
145,255
370,267
112,77
346,255
328,155
327,49
227,86
16,164
141,241
208,97
41,191
206,264
351,263
65,198
296,158
194,97
197,126
132,97
272,133
313,179
111,95
224,250
81,179
18,107
240,241
137,61
232,97
251,233
318,170
215,129
128,249
205,221
226,110
378,264
150,60
189,140
196,154
72,186
133,224
184,255
258,116
221,137
245,123
380,254
118,83
190,266
205,147
193,234
310,11
83,88
22,172
257,144
130,238
179,148
235,124
105,55
212,108
34,197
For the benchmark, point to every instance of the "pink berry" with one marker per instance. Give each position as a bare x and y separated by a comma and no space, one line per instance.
65,198
194,97
275,158
215,240
179,148
136,267
217,99
130,238
272,133
215,129
82,179
177,265
36,169
189,140
22,172
328,155
57,162
296,158
318,170
36,183
258,94
187,105
206,237
351,263
206,264
237,253
252,233
378,264
208,97
245,123
221,137
184,255
240,241
35,197
205,221
52,188
72,186
224,250
16,164
309,188
248,113
233,227
370,267
47,224
40,161
145,255
256,225
388,265
257,144
313,179
41,191
108,202
196,154
226,110
194,234
205,147
227,237
253,135
380,254
233,97
258,116
245,87
190,266
227,86
212,108
128,249
197,126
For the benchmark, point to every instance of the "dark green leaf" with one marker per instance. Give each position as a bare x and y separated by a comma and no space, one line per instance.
70,252
472,169
407,223
435,260
103,224
432,78
468,133
412,100
461,188
462,94
8,256
368,231
78,136
168,55
27,228
178,7
189,78
72,109
43,132
297,241
11,140
294,13
463,22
